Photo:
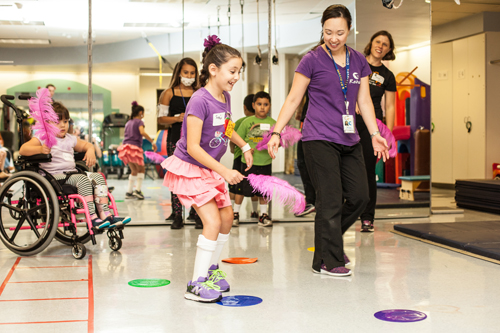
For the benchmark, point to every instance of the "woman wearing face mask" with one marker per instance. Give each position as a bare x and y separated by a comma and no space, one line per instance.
172,105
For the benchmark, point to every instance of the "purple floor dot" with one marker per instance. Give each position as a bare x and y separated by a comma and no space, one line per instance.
239,300
400,316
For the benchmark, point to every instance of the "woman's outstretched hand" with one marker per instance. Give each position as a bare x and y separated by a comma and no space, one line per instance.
272,146
380,147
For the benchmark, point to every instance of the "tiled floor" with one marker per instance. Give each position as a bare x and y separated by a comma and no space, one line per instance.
458,293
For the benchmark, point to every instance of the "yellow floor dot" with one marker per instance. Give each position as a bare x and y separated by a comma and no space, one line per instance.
310,249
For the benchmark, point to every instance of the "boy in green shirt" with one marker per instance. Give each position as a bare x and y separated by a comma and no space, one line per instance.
252,130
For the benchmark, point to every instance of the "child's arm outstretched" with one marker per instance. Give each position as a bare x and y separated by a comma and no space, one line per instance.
33,147
194,129
88,148
144,134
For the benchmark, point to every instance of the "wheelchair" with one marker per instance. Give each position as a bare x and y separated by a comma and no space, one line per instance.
35,208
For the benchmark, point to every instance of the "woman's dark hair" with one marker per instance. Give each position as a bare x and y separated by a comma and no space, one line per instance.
217,55
390,55
60,110
136,108
176,75
334,11
248,103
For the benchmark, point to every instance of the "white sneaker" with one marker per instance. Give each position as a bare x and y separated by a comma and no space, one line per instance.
265,221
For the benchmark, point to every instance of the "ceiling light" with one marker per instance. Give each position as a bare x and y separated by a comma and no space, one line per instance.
23,41
155,74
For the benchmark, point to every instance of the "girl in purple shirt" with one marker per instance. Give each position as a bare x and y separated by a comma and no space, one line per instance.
337,78
195,173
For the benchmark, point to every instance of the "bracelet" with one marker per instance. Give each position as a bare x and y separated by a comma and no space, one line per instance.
245,148
276,133
373,134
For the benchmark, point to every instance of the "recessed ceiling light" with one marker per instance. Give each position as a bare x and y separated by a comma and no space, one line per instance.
23,41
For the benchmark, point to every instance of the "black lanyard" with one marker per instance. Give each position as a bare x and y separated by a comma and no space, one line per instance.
342,85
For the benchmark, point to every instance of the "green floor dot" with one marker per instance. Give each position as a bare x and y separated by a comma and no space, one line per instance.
119,200
149,283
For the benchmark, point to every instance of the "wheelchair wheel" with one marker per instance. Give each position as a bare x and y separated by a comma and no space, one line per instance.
114,242
79,251
29,213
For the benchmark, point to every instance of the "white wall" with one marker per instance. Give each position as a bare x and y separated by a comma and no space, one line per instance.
406,61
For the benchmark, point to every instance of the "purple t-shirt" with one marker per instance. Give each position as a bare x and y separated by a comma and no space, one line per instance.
326,99
63,155
213,113
132,134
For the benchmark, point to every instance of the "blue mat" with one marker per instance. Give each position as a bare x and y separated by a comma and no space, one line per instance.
482,238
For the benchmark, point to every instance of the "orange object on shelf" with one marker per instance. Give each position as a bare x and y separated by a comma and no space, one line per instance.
240,260
496,170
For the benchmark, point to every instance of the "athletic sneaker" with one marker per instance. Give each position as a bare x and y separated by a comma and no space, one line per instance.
138,195
254,215
236,220
129,195
117,221
203,290
346,260
99,224
265,221
367,226
178,222
218,277
336,271
309,209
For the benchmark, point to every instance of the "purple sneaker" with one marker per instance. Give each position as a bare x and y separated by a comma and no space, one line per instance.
203,290
336,271
218,277
346,260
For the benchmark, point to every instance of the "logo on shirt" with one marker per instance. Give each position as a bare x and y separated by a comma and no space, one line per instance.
355,80
219,138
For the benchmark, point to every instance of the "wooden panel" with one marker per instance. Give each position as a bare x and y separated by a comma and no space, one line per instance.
442,113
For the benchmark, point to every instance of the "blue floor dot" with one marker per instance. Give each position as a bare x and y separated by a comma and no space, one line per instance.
240,300
400,316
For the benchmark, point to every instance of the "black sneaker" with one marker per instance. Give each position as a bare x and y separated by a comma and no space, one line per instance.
367,226
138,195
129,195
171,217
236,220
197,223
309,209
265,221
254,215
178,222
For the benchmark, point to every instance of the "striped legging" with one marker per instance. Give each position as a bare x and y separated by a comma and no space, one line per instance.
85,187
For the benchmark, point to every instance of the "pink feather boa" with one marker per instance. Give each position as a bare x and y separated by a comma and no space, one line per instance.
386,133
46,119
154,157
286,194
289,137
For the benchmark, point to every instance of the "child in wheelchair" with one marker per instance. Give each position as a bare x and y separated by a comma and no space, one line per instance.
91,186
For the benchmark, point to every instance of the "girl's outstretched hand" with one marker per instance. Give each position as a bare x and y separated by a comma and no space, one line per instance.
272,146
90,158
249,159
232,176
380,147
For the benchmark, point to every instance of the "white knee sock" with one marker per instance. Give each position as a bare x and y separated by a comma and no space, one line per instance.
263,209
254,205
140,178
236,208
131,182
221,241
204,255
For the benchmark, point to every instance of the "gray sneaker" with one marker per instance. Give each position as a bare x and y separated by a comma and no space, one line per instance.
138,195
265,221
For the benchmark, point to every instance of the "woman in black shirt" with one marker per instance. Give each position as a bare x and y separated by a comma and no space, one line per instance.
382,82
171,109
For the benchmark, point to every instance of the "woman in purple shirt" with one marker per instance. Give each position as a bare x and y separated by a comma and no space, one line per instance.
337,78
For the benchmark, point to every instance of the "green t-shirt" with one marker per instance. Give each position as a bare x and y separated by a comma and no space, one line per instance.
253,135
237,150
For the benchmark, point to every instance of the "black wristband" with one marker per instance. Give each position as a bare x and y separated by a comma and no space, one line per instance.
276,133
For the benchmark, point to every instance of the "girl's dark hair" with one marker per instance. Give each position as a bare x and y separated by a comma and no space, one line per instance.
248,103
136,108
217,55
334,11
60,110
390,55
176,75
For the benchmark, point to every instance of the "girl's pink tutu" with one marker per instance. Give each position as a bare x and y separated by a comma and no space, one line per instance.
194,185
131,154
